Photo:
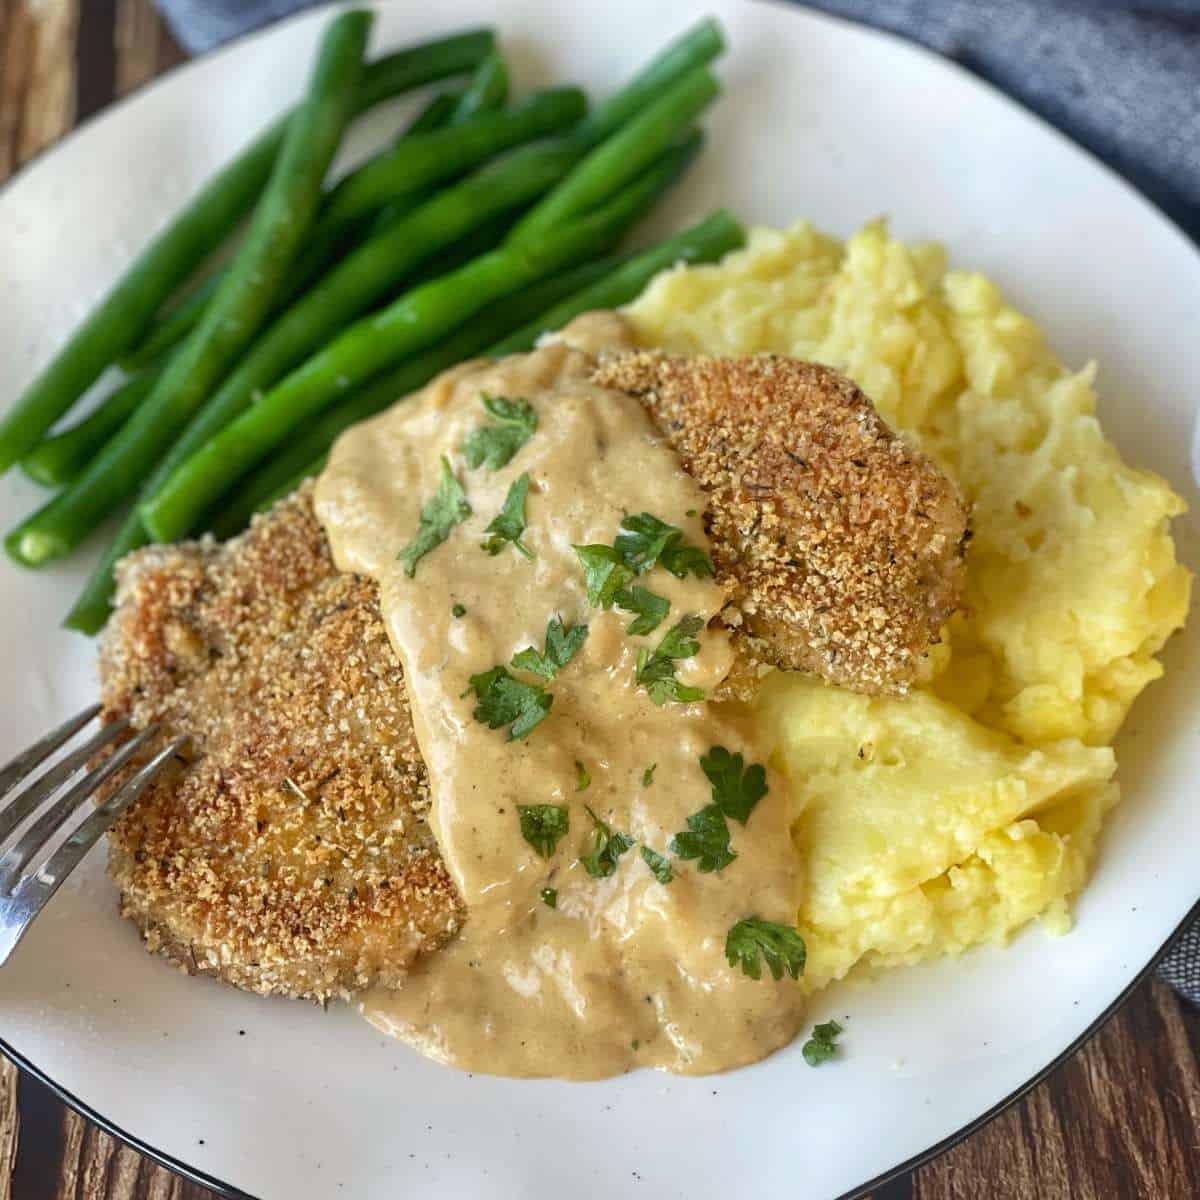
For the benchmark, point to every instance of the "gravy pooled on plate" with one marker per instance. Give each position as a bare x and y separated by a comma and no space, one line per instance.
558,784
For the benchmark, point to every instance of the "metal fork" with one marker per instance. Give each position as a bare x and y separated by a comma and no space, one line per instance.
28,875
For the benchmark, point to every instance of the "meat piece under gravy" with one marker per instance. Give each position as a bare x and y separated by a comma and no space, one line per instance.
844,544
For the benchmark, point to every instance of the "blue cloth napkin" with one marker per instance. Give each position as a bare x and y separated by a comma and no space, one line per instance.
1122,77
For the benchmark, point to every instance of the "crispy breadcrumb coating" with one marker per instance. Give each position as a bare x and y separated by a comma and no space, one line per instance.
293,855
844,544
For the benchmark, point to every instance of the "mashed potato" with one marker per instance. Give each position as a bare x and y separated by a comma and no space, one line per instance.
954,815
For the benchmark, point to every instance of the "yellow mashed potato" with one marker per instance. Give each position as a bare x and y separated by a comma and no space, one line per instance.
952,816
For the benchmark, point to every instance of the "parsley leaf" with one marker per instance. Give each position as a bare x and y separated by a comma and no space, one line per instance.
582,778
550,897
707,838
493,445
659,867
562,644
459,610
822,1046
543,825
504,700
604,573
648,774
656,671
734,791
509,523
644,540
651,609
601,860
446,508
780,945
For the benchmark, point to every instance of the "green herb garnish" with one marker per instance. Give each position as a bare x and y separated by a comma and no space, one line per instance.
648,774
707,839
562,644
550,897
601,860
493,445
543,825
446,508
582,778
604,573
508,524
780,945
504,700
660,868
644,540
822,1046
734,790
651,609
459,610
656,671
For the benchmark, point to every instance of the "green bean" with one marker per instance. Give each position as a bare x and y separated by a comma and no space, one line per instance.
410,324
56,460
698,46
364,277
174,325
302,476
121,317
707,241
240,306
487,90
623,155
315,438
416,162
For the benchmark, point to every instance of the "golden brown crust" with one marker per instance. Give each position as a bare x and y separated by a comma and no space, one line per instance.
844,544
293,855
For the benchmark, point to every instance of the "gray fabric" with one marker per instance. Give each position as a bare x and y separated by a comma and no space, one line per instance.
1122,77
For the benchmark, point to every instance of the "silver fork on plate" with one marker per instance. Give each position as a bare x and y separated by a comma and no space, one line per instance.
30,873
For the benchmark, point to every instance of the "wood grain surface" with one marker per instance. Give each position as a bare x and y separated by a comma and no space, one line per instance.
1120,1120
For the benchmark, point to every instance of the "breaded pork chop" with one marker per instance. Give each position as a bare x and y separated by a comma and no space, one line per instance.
843,543
293,855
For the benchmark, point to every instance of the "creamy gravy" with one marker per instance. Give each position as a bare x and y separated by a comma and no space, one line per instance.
625,970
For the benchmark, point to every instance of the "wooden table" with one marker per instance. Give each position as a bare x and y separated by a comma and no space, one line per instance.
1120,1120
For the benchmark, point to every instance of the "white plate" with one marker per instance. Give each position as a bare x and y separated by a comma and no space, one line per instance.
821,119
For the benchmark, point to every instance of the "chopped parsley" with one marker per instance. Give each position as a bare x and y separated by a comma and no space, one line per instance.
582,778
504,700
550,897
644,541
660,868
706,839
604,573
734,790
651,609
648,774
780,945
493,445
459,610
446,508
601,860
656,671
509,523
562,644
543,825
822,1046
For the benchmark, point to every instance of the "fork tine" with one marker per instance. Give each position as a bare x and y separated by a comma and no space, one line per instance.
47,879
13,772
35,837
48,783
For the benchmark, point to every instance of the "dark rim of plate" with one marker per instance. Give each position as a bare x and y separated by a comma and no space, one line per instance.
194,1174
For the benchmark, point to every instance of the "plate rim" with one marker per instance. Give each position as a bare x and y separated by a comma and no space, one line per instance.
228,1191
1150,207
